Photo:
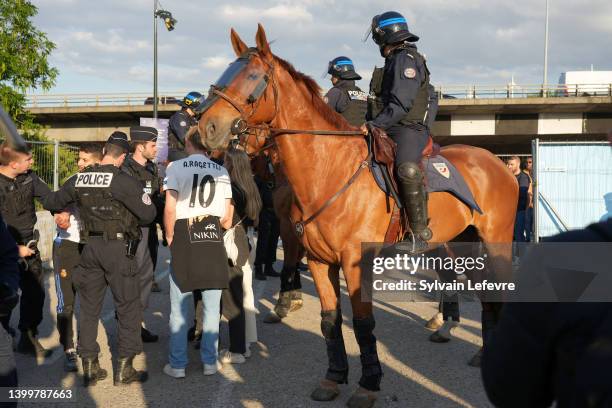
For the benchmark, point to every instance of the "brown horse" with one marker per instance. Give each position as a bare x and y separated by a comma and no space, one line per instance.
265,91
290,296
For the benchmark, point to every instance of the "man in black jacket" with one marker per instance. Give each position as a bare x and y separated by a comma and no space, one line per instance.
545,352
19,186
9,286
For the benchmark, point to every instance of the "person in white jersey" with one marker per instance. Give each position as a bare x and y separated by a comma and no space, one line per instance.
198,206
66,254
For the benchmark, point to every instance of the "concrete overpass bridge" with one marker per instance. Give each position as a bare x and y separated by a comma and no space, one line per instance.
502,120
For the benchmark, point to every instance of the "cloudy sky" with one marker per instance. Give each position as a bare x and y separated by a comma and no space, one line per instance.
107,45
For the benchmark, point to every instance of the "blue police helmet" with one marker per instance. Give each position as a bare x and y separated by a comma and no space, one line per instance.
390,28
191,100
343,68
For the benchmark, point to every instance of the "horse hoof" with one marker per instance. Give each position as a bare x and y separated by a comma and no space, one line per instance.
326,391
445,333
296,305
476,359
272,317
435,322
436,337
362,398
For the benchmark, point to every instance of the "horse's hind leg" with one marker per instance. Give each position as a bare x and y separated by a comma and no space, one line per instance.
326,280
363,325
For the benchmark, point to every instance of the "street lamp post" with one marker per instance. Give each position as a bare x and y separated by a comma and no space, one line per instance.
169,22
546,52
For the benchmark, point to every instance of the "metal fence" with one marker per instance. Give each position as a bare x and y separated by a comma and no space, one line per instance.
54,162
510,91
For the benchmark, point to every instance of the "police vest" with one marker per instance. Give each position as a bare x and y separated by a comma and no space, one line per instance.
17,206
357,107
147,175
100,213
377,98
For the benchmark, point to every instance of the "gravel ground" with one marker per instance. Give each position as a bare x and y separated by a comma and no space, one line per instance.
287,362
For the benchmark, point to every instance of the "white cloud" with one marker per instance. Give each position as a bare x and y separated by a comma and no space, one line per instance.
279,12
216,62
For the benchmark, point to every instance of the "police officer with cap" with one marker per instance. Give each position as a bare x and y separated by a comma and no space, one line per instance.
345,97
180,123
139,164
401,103
111,205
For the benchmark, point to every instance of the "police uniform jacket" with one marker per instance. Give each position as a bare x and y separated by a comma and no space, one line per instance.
17,203
179,124
115,191
400,91
349,100
148,176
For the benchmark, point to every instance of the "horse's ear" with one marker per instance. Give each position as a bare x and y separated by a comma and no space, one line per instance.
239,46
262,42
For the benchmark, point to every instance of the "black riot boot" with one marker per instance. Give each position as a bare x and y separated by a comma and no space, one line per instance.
414,198
337,371
127,374
29,344
92,373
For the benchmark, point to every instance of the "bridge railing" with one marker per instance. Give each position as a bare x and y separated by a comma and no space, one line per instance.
443,92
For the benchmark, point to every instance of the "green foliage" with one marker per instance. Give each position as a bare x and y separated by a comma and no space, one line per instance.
24,65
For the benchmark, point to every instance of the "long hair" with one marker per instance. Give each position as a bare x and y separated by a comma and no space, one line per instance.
238,166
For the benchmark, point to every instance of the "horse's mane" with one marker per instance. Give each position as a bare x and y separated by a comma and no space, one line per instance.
331,116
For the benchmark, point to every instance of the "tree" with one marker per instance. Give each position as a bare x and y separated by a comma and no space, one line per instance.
24,51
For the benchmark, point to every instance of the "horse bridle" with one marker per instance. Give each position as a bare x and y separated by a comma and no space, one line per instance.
241,127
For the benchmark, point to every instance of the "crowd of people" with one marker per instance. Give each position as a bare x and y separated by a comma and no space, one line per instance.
107,218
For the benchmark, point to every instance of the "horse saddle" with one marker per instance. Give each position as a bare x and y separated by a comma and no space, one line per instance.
440,175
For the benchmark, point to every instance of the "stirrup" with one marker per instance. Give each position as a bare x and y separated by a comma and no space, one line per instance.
413,245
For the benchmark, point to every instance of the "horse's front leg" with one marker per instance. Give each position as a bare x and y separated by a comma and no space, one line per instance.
363,324
327,282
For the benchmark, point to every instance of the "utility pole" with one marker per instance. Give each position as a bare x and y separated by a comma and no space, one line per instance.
545,85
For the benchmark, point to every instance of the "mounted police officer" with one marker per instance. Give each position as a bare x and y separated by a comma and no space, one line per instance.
345,97
401,103
111,205
180,123
139,164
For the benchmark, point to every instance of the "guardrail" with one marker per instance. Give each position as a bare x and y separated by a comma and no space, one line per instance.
444,92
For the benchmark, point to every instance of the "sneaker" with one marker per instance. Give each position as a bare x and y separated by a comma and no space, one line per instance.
71,361
227,357
174,372
210,369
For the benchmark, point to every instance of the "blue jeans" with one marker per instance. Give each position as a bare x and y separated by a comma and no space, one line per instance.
180,303
519,227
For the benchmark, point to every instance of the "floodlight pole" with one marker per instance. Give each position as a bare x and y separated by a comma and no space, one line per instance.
546,53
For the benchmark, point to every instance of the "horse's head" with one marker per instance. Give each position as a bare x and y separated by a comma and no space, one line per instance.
245,95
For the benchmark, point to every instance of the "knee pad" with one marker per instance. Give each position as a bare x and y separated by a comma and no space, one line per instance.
329,323
410,172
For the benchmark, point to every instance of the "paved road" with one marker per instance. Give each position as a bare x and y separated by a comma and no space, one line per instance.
287,362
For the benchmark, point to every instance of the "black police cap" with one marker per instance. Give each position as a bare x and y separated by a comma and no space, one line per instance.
143,134
120,139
